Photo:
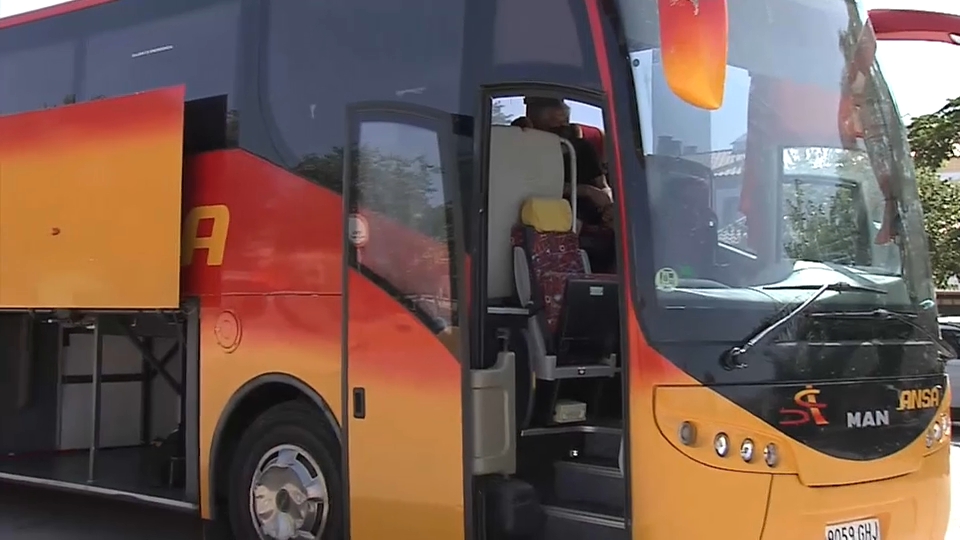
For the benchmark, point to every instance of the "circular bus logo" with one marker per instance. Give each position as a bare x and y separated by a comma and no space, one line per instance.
667,279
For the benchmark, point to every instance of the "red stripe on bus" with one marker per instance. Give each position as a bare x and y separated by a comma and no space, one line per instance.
606,81
48,12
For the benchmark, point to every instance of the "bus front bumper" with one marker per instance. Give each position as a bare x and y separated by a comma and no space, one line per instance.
915,506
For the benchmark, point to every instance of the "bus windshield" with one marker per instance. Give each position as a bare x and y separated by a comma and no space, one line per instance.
832,211
801,177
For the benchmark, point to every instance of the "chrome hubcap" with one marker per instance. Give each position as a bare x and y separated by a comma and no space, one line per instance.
288,495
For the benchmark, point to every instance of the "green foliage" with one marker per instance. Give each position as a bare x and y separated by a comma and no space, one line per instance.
823,227
941,208
935,137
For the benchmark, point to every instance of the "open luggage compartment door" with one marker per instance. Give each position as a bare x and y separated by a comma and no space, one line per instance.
90,202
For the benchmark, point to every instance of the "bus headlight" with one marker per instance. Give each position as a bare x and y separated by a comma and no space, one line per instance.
938,431
746,450
721,444
770,455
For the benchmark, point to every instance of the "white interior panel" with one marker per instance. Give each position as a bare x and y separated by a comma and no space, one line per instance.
119,420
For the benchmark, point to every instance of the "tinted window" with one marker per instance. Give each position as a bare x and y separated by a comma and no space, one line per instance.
37,77
195,46
120,48
537,31
400,192
321,56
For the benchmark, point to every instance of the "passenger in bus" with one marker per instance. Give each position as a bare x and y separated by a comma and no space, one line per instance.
594,197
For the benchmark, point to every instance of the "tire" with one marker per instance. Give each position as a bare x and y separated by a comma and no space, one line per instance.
286,442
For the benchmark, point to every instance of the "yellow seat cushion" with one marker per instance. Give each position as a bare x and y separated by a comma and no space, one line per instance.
547,215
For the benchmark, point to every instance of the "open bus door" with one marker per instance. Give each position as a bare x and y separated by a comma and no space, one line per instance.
402,360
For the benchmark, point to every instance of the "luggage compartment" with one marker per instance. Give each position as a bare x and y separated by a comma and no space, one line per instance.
103,403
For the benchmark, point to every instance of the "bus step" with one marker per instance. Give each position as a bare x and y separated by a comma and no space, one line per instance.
590,481
603,445
579,523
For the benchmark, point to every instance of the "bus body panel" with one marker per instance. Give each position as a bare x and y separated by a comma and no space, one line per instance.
713,414
272,303
912,506
732,495
406,465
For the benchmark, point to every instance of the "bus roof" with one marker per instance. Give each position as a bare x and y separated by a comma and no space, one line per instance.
50,11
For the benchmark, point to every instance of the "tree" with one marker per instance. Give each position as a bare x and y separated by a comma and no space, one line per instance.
935,137
941,208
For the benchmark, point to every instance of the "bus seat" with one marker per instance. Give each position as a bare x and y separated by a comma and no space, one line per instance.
523,164
595,137
566,336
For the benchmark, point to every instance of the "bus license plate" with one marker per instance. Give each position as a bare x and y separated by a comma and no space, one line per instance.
864,529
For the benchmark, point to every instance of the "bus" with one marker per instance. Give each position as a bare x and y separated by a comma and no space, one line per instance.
463,269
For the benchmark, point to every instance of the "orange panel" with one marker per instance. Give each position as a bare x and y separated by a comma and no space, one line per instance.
693,39
406,464
90,199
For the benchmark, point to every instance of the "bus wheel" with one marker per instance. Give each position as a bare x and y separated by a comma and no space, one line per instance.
285,479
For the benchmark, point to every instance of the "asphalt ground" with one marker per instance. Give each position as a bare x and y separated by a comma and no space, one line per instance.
35,514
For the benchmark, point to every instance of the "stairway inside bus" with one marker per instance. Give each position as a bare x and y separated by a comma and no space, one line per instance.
552,324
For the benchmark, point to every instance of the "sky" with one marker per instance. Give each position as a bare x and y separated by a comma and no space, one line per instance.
903,63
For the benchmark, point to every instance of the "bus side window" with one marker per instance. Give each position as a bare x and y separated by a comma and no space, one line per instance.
24,87
132,52
401,197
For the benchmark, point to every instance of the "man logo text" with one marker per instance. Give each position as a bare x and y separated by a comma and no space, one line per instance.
919,398
809,409
868,419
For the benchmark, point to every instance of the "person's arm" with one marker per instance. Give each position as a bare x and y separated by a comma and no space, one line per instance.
589,168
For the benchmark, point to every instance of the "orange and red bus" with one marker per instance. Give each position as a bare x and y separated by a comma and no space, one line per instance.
286,264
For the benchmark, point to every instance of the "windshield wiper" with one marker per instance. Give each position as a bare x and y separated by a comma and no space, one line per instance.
729,358
882,314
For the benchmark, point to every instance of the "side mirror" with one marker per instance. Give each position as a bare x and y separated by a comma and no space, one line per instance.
915,25
694,42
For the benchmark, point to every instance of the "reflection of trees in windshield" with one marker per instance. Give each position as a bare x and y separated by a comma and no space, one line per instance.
822,223
842,187
852,165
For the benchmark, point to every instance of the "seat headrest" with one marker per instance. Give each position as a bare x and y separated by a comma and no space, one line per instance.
547,215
